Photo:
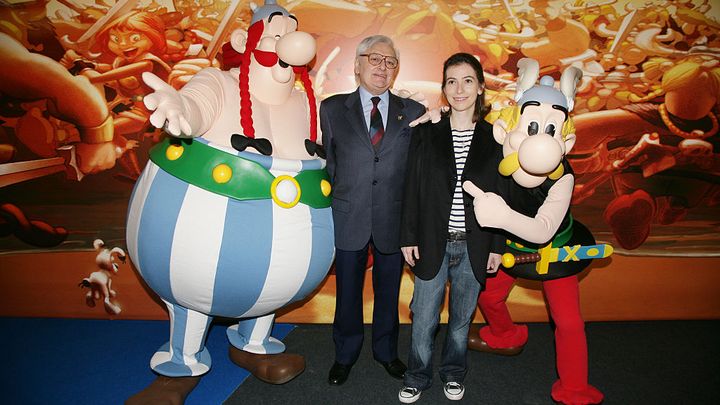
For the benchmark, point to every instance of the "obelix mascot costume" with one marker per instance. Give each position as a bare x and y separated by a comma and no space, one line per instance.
545,242
217,229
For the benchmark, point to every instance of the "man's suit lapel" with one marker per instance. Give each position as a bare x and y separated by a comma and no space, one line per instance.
354,115
395,121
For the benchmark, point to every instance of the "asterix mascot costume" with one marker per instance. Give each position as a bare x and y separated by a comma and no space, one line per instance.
545,243
231,216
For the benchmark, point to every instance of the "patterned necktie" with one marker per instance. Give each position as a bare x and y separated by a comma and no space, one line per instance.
376,123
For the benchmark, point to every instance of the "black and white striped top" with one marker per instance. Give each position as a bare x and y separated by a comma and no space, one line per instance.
461,146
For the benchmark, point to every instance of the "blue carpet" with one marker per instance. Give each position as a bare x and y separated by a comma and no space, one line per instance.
73,361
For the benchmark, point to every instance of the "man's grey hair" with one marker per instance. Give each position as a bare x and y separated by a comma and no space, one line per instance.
368,43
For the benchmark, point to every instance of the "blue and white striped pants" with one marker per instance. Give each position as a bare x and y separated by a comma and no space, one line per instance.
209,255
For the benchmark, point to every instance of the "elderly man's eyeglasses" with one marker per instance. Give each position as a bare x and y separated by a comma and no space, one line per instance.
375,59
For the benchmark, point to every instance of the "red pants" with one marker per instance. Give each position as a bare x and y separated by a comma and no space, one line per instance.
563,299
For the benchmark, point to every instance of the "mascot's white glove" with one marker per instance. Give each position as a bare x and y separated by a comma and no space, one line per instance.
490,209
167,106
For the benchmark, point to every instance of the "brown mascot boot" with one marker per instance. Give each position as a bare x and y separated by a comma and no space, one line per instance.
271,368
165,391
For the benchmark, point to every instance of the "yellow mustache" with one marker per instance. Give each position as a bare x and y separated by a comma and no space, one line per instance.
510,164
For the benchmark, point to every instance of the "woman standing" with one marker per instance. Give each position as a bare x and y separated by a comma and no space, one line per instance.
440,237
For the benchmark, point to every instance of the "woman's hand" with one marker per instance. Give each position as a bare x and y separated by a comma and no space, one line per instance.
493,263
411,253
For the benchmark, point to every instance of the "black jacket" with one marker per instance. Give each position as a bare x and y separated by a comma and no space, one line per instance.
429,188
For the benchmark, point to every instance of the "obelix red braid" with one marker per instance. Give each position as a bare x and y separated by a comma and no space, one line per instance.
246,122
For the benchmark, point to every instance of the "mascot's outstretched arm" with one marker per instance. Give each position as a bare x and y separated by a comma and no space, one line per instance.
184,113
491,210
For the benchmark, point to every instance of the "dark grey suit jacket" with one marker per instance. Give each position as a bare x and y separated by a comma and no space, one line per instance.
367,186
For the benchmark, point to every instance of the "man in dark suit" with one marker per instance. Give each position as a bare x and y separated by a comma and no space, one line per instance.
366,137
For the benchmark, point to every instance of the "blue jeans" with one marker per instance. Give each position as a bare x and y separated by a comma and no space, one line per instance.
427,299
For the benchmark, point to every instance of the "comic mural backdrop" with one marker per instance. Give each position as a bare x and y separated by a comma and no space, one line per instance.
75,134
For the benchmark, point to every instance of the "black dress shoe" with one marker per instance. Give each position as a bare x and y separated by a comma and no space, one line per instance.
395,368
339,373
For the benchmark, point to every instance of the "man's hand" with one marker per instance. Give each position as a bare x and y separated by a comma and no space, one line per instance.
433,115
411,253
167,106
490,209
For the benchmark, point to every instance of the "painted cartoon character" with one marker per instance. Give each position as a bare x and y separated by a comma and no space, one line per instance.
100,282
661,154
546,243
216,229
40,109
46,80
136,42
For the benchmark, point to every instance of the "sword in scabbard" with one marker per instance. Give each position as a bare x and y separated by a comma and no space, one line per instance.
563,254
